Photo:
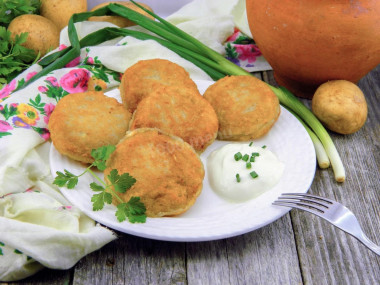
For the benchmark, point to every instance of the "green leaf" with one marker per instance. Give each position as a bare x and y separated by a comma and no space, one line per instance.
98,200
121,212
10,9
66,179
134,210
101,154
121,182
72,182
96,187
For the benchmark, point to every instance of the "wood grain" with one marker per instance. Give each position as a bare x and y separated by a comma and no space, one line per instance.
328,255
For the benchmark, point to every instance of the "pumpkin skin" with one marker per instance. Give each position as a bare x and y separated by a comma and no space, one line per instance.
308,42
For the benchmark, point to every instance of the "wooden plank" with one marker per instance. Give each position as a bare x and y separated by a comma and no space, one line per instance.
133,260
265,256
328,255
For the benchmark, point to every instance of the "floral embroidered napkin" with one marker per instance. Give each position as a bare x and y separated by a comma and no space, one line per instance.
38,226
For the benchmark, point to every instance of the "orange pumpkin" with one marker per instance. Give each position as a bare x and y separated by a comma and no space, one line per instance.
308,42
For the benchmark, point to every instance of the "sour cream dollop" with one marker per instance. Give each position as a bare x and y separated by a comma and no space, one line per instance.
234,180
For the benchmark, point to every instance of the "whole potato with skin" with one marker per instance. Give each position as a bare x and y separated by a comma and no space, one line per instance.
60,11
117,20
43,34
340,105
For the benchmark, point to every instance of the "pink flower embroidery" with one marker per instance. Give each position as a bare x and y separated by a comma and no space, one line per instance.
5,126
75,81
53,81
7,89
42,89
30,75
90,60
234,36
45,134
62,46
74,62
48,108
247,52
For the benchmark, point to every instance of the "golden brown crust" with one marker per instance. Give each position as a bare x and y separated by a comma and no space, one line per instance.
118,20
146,76
246,107
84,121
180,112
168,172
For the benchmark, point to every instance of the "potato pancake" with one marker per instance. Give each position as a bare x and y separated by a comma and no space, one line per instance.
146,76
180,112
84,121
246,107
168,172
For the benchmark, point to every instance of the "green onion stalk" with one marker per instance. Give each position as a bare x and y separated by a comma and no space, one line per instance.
191,49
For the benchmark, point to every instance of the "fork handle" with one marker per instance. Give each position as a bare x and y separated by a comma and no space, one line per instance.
368,243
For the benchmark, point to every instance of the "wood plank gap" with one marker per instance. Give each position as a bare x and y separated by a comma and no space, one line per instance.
297,246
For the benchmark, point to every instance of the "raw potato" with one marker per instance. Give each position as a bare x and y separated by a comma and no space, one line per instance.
340,105
117,20
43,34
60,11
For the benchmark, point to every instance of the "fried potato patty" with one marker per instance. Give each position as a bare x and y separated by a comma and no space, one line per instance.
246,107
84,121
168,172
146,76
180,112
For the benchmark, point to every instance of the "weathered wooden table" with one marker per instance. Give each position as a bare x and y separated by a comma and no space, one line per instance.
299,248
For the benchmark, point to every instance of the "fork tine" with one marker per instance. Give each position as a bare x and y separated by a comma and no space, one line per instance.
299,205
310,203
326,202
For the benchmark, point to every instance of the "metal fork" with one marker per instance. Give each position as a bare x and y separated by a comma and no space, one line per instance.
331,211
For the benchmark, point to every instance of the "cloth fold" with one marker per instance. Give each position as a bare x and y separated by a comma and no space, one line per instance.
38,226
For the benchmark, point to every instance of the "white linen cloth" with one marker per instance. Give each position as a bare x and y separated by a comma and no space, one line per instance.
38,226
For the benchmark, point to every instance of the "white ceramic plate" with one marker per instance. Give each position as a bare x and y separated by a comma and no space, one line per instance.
212,217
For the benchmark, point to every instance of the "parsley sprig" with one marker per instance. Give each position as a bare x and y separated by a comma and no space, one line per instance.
133,210
14,57
10,9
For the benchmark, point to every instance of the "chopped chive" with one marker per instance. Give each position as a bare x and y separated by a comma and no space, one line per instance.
238,156
245,157
252,159
238,177
254,174
255,154
248,165
251,143
264,146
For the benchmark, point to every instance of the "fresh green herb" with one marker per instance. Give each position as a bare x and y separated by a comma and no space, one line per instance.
238,156
252,159
255,154
248,165
245,157
10,9
251,143
264,146
253,174
213,63
133,210
238,179
14,58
